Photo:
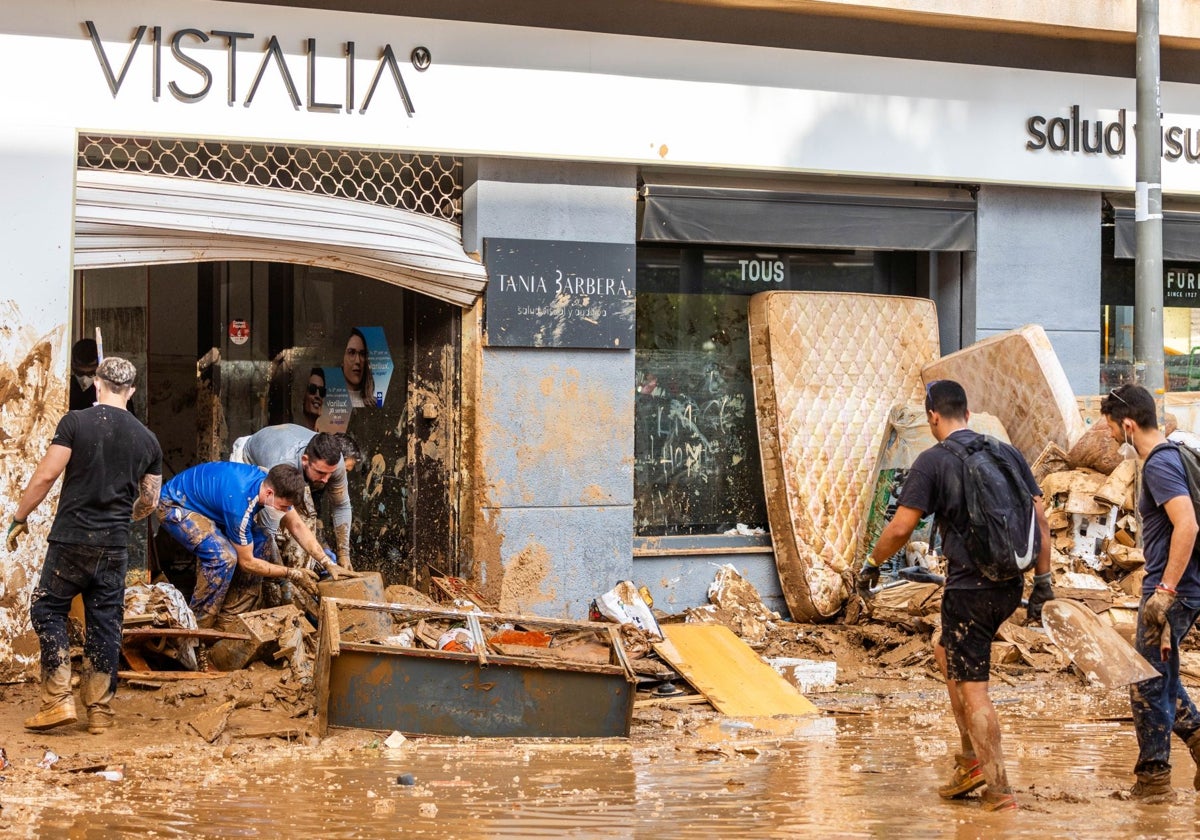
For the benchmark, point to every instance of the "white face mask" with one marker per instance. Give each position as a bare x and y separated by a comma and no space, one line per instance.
85,382
1127,450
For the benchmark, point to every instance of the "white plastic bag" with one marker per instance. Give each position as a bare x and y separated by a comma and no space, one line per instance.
624,605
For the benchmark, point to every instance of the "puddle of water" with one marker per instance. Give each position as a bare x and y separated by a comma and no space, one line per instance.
858,776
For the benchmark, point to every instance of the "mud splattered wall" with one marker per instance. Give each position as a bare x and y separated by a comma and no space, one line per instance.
37,167
554,506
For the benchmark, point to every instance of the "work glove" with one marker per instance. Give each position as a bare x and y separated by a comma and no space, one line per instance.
1042,592
15,530
1154,612
306,579
868,577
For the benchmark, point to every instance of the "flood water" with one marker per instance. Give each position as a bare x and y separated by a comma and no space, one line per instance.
869,775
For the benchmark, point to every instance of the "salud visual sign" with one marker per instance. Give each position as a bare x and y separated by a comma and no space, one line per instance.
559,294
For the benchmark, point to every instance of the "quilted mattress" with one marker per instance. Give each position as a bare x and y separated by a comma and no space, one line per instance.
827,370
1017,377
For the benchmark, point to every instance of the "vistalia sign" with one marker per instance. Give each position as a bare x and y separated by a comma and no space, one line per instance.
189,78
1094,136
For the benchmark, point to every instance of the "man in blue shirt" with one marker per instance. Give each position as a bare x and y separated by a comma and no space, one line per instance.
217,511
1170,592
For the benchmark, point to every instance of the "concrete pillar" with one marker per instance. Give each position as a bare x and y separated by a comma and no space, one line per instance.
553,524
1037,260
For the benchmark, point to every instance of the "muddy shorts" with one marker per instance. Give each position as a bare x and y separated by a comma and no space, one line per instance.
970,619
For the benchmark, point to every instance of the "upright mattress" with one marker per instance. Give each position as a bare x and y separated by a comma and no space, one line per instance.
827,370
1017,377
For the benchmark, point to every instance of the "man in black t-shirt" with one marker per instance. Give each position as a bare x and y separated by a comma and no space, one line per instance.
113,473
973,606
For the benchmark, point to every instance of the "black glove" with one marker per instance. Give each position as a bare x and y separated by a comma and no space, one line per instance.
1042,592
868,577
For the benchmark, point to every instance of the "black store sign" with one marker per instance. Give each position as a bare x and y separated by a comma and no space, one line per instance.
559,294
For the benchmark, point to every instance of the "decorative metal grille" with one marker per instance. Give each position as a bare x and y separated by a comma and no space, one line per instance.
427,184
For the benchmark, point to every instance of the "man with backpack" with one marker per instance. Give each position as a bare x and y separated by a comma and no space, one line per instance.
964,480
1170,591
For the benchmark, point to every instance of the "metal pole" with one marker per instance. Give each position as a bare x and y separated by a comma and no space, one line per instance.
1148,295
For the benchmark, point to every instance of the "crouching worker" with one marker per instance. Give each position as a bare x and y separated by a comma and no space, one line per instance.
217,512
973,605
113,470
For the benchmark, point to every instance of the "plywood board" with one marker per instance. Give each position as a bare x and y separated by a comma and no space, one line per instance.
729,673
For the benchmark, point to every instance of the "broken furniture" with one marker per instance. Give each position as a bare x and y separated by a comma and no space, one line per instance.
445,672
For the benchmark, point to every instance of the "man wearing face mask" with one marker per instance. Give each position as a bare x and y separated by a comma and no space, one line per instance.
1170,592
84,358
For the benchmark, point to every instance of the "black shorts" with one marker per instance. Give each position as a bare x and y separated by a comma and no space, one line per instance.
970,619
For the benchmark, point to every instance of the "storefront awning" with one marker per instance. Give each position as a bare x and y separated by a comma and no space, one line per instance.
127,218
760,217
1180,235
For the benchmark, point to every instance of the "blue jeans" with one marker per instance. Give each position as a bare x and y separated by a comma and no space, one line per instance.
97,573
222,589
1161,705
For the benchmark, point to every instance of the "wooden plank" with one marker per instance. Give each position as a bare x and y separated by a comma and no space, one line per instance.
729,673
326,634
170,676
180,632
135,660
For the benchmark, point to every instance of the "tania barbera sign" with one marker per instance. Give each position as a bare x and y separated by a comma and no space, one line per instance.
189,62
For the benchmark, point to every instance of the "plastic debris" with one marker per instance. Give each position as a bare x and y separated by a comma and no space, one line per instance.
394,740
48,760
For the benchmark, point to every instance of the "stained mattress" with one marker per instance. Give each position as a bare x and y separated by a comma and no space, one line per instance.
827,370
1017,377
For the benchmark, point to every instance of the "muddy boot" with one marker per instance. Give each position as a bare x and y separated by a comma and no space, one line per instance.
1194,745
58,706
96,692
1153,787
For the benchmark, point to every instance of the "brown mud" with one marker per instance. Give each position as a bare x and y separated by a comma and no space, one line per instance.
868,766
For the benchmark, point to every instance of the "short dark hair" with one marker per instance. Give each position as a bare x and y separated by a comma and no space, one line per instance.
317,372
947,398
1133,402
287,481
349,446
324,447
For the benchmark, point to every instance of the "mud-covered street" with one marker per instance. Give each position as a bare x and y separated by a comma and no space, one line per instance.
867,766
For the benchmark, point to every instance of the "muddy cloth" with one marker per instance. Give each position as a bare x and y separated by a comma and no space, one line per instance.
935,485
110,452
1163,479
285,444
970,619
97,573
1162,705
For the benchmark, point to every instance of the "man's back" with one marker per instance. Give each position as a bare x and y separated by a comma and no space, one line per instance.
110,453
282,444
225,492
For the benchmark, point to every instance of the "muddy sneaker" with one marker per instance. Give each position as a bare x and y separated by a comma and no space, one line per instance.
967,777
48,717
999,802
1152,788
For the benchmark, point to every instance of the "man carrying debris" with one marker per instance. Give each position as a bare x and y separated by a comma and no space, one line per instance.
1170,592
217,512
324,459
973,605
113,472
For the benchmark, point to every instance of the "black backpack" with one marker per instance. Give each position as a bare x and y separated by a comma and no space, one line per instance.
1002,534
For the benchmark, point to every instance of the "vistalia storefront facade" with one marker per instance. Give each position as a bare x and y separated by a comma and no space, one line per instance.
544,239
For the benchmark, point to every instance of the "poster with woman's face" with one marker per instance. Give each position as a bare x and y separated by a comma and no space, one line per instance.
366,367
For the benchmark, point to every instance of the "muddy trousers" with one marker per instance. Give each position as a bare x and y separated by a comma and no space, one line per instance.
222,591
97,573
1162,705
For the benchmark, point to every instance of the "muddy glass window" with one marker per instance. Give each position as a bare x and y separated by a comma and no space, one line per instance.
697,468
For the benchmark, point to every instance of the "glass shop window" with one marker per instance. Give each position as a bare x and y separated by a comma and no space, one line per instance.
697,468
1181,324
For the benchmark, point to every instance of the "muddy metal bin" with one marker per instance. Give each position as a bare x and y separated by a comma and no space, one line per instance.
494,690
